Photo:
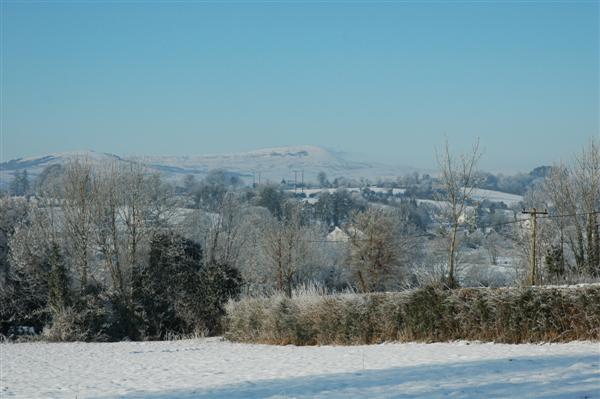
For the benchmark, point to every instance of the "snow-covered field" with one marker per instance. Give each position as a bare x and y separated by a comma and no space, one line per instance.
480,194
212,368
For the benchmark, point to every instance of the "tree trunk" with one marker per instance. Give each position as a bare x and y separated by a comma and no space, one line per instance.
451,280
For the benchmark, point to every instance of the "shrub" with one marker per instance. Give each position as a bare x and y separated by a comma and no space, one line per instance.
433,313
94,315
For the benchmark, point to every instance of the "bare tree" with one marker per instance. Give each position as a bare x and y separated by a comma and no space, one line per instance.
105,216
587,179
161,203
558,188
224,239
253,260
491,245
574,193
378,249
458,179
134,211
127,207
77,191
285,243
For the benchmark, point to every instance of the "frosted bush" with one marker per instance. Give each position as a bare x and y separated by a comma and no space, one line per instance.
511,315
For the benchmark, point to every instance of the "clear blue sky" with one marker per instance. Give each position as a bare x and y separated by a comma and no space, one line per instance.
387,80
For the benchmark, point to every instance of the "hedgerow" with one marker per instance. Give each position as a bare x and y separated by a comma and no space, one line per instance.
429,314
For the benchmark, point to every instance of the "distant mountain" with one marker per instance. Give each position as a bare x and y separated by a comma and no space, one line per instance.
270,164
36,165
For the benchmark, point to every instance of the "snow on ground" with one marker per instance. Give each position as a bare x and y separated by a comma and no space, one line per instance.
212,368
315,191
480,194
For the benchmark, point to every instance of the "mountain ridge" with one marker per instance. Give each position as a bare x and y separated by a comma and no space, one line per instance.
271,164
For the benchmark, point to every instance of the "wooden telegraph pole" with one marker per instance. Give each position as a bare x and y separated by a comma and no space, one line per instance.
295,181
533,212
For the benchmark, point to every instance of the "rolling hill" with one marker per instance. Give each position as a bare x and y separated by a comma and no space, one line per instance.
269,164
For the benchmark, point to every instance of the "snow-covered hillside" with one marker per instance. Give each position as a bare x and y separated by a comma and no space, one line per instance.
277,163
211,368
35,165
496,196
271,164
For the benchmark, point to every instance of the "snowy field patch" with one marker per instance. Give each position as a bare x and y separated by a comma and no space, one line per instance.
212,368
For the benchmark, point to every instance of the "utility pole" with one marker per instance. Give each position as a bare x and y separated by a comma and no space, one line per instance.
533,212
295,181
302,180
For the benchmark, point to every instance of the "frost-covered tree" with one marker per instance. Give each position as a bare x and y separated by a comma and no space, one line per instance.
25,291
107,225
379,249
573,193
209,193
13,212
224,237
76,207
59,295
286,244
554,261
458,178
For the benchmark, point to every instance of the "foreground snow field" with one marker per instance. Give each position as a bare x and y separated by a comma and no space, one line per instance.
212,368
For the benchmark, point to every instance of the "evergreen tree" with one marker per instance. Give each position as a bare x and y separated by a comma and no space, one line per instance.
322,178
170,294
19,186
272,199
219,283
334,209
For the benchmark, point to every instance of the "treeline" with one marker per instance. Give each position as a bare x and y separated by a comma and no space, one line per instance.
217,182
96,257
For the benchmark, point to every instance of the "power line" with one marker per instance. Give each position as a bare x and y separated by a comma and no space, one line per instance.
570,215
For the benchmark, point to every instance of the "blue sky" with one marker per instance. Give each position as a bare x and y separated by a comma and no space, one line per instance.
384,81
